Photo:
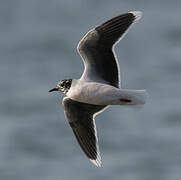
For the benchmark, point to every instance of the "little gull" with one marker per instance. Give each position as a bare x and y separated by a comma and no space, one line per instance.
99,85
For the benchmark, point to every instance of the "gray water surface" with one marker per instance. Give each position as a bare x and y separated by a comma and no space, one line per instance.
38,40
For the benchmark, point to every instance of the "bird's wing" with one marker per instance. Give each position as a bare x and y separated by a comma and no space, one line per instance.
81,119
96,49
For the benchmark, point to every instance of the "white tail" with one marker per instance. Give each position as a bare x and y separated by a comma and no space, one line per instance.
136,97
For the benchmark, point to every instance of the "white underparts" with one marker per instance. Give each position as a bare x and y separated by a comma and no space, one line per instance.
103,94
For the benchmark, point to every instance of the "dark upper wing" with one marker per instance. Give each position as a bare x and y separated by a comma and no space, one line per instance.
95,49
80,118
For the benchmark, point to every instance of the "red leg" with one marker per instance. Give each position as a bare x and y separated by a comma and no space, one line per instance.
125,100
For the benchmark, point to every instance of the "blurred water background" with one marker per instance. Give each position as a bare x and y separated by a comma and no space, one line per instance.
38,40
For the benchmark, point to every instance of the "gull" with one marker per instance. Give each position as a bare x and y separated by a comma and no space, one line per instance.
99,85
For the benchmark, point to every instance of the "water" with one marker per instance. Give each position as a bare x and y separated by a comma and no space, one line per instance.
38,48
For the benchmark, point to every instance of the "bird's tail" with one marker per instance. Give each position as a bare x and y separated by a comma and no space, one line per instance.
133,97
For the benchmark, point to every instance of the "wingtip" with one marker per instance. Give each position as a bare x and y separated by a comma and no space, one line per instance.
136,14
96,162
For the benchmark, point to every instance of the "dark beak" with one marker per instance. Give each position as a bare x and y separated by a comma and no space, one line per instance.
54,89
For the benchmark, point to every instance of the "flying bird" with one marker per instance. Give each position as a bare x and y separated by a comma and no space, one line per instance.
99,85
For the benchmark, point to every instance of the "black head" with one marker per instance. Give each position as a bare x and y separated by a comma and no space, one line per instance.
63,86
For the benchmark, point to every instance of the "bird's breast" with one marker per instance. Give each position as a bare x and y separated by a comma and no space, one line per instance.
104,94
93,93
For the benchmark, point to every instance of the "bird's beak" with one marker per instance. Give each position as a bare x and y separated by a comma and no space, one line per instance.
54,89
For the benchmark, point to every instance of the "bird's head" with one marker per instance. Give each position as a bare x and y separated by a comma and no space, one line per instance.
63,86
